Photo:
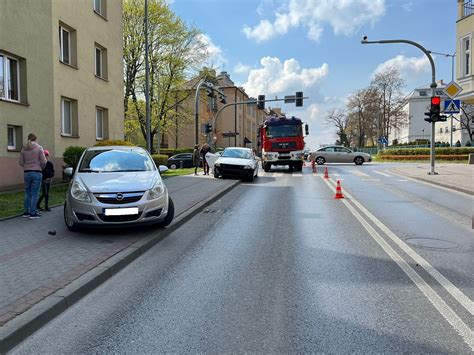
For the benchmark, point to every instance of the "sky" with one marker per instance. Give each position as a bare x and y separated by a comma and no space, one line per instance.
278,47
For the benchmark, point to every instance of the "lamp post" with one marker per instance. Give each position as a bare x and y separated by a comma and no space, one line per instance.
432,86
147,85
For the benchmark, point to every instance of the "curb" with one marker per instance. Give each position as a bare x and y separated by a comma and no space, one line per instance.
22,326
451,187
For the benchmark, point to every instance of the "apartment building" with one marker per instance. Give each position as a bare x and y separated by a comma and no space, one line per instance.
241,120
61,77
464,60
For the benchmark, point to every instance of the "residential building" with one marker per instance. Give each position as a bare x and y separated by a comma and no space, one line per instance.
242,119
61,77
416,128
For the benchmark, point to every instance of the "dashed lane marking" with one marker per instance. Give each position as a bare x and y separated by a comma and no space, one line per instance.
360,173
383,174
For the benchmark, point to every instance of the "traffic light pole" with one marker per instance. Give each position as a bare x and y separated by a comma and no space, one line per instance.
432,86
196,112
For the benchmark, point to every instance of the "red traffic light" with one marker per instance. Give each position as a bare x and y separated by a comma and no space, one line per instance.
435,100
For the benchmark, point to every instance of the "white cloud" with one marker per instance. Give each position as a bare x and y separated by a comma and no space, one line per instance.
214,52
408,6
240,68
344,16
276,77
408,67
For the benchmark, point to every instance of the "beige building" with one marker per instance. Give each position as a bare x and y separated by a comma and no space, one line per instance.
464,60
61,77
243,119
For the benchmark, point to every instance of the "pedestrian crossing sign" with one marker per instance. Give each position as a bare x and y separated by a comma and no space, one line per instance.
452,106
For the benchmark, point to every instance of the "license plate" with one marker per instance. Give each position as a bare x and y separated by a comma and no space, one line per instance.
121,211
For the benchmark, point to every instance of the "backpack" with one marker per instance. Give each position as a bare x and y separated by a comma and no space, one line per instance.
48,171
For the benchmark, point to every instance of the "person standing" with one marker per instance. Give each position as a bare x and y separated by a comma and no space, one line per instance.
196,158
204,150
33,161
48,174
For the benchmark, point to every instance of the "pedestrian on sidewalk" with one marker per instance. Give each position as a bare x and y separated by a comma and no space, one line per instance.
196,158
204,150
48,174
33,161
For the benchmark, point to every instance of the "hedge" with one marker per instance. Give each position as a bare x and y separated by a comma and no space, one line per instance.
424,157
113,142
172,151
426,151
160,159
72,154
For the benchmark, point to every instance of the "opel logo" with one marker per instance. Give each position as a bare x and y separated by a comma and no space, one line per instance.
119,197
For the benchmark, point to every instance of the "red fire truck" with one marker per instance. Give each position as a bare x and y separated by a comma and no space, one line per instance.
281,142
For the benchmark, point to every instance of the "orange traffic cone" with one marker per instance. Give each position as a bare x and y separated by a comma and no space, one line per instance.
338,190
326,175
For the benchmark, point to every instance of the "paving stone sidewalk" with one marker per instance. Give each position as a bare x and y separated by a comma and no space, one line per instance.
35,264
458,177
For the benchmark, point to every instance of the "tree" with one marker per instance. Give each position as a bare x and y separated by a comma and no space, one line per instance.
340,120
467,119
175,53
388,87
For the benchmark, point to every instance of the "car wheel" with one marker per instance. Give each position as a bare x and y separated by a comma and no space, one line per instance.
250,177
173,166
299,167
320,160
358,160
267,167
169,217
68,221
216,174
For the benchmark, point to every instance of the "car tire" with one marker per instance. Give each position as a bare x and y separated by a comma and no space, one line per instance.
173,166
216,174
169,217
68,222
359,160
267,167
250,177
320,160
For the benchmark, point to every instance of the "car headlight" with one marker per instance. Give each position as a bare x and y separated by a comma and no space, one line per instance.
217,165
79,192
156,191
248,166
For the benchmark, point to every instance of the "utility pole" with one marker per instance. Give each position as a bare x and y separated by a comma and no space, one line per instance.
432,86
147,88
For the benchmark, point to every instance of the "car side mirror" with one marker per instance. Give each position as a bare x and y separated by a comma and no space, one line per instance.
162,169
69,172
306,129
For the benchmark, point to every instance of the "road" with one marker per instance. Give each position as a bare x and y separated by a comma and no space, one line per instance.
279,265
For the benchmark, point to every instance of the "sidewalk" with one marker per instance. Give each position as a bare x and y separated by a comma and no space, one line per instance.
43,274
458,177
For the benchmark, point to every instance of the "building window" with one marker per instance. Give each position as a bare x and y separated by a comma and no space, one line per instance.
100,60
9,78
423,93
11,138
465,56
439,93
100,7
99,124
64,45
66,117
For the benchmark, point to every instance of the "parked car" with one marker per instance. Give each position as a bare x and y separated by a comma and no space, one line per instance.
116,186
183,160
338,154
238,162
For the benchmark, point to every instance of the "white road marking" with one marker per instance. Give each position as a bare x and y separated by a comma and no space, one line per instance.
370,179
383,174
336,175
443,281
297,174
360,173
277,174
404,180
443,308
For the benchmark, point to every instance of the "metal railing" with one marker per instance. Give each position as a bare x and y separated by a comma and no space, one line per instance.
468,8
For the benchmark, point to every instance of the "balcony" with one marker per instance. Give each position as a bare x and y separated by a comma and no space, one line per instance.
468,8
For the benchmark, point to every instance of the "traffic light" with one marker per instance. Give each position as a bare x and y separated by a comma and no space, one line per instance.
222,98
434,115
261,102
299,99
208,128
210,91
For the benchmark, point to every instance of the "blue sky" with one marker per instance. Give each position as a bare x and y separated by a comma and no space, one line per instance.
277,47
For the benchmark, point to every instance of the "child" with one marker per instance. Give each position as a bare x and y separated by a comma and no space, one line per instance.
48,174
196,158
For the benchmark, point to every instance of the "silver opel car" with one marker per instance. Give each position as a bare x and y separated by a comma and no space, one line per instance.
116,186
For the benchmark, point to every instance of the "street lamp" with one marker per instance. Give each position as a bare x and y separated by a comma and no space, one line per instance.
147,85
432,86
210,86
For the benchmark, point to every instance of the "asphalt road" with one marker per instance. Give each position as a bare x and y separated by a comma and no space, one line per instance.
279,265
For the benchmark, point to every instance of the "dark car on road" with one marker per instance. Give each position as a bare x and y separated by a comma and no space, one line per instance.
182,160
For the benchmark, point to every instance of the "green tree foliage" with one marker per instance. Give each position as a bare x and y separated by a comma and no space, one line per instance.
72,154
176,51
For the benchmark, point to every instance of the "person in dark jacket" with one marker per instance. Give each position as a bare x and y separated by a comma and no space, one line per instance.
48,174
204,150
196,158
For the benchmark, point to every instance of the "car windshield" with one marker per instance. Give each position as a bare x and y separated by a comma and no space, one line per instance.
236,153
284,131
115,160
